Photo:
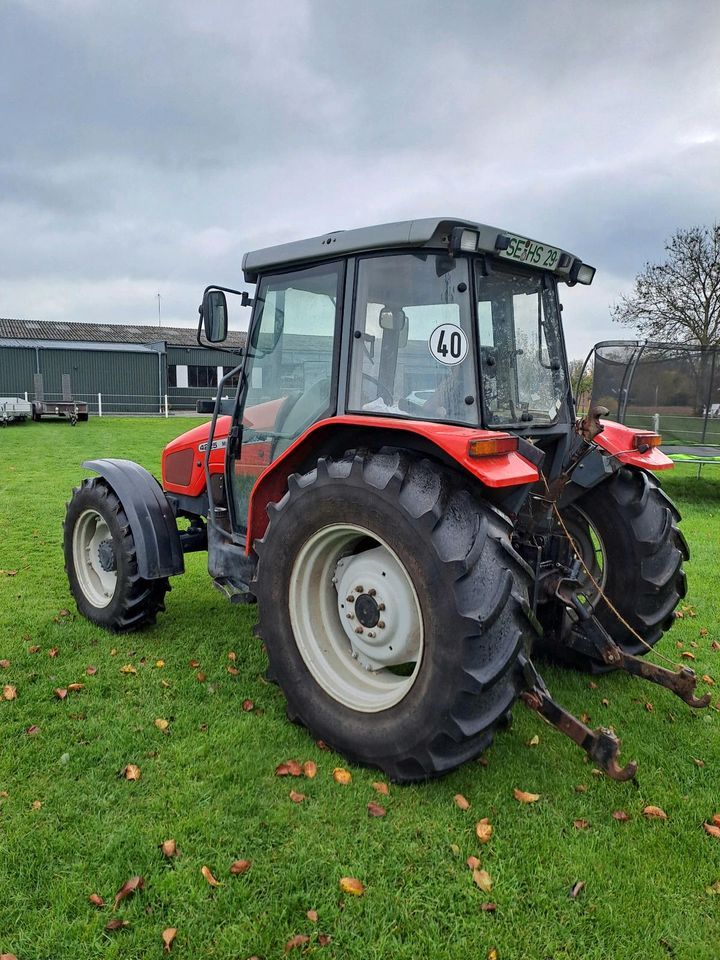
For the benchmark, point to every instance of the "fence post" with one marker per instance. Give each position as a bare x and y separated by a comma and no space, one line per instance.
656,423
166,408
26,399
99,404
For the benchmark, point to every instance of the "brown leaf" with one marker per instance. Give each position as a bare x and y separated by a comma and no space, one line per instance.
581,824
91,671
36,805
481,878
655,812
248,706
581,788
352,886
592,685
128,888
53,652
708,680
128,668
492,954
473,862
381,788
715,645
7,956
312,915
321,745
297,797
232,656
703,631
9,692
200,677
605,702
116,924
375,810
34,649
621,816
524,797
4,664
75,687
194,664
96,900
169,848
282,770
205,871
161,724
168,935
585,717
238,867
483,830
649,707
113,652
488,907
461,801
713,888
533,741
687,655
698,762
131,772
299,940
233,671
324,939
576,888
712,829
309,768
60,693
32,730
4,794
342,776
716,819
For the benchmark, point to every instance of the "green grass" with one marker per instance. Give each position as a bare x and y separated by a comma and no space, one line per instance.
209,782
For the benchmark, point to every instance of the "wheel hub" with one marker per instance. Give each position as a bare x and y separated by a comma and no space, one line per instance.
106,556
367,610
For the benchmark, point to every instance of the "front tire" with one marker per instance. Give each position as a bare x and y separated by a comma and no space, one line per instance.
101,562
425,691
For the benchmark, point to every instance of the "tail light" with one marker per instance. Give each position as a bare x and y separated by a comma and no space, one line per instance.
645,441
492,446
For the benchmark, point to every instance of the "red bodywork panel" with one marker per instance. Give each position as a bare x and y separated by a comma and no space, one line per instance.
617,439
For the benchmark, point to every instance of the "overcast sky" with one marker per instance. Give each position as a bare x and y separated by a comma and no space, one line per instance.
147,145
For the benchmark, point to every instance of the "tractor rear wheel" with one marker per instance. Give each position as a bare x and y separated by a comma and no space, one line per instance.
393,609
101,561
627,536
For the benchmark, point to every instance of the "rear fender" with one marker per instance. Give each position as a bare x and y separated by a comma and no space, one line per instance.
504,470
618,440
151,519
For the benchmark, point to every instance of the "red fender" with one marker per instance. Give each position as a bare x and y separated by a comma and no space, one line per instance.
618,440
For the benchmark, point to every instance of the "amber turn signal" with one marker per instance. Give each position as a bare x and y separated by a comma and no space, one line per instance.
644,441
492,446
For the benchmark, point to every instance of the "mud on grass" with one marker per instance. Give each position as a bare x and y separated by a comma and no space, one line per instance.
208,781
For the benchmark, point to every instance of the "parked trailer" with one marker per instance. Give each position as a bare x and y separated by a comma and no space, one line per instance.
13,408
72,410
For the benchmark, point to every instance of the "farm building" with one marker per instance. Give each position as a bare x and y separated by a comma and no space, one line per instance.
132,368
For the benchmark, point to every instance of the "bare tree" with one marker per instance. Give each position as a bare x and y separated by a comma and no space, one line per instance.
678,301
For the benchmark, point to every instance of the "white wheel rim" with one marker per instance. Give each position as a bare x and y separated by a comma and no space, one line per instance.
97,583
356,668
592,551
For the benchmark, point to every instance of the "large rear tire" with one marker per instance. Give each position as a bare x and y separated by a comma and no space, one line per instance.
394,610
627,533
101,562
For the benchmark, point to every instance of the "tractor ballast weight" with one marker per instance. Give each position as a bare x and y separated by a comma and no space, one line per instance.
395,472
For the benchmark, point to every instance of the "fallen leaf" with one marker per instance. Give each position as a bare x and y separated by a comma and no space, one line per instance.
200,677
352,886
128,888
248,706
324,939
128,668
715,645
299,940
592,685
312,915
605,702
161,724
381,788
76,687
8,573
321,745
36,805
205,871
194,664
523,797
533,741
34,649
708,679
621,816
713,888
483,830
455,849
585,717
581,788
60,693
53,651
96,900
473,862
9,692
698,762
581,824
116,924
169,848
159,664
131,772
461,801
481,878
375,810
4,664
703,631
297,797
309,768
488,907
238,867
687,655
233,671
113,652
649,707
232,656
712,829
7,956
576,888
165,683
32,730
342,776
655,812
597,772
4,794
91,671
290,768
492,954
716,819
168,936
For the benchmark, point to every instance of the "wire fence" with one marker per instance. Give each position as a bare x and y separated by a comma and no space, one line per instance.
117,404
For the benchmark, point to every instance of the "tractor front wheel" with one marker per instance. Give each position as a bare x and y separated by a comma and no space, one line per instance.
101,561
393,610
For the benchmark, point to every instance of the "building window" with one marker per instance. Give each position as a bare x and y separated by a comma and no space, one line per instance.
233,381
200,376
172,375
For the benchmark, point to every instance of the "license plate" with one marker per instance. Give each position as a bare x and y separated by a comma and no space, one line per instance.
522,250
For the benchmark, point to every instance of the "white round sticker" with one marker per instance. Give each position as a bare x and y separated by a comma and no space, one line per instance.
448,343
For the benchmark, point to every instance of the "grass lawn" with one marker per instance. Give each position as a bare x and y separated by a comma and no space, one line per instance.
70,826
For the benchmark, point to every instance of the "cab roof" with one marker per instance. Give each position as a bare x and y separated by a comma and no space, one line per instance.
431,232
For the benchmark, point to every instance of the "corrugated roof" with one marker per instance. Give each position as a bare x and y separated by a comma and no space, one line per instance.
104,333
79,345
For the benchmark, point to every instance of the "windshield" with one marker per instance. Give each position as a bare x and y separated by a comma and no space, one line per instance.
523,375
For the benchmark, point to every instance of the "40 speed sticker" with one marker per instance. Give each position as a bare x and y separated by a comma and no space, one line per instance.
448,343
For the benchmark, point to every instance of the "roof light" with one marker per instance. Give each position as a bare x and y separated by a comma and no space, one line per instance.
492,446
582,273
465,240
645,441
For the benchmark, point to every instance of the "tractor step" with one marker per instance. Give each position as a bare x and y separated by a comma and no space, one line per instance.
235,592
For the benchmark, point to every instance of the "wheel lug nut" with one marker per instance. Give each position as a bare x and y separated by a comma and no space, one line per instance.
372,592
381,624
371,635
350,616
359,589
381,606
358,629
350,598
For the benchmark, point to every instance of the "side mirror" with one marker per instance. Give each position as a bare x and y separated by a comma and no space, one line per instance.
214,316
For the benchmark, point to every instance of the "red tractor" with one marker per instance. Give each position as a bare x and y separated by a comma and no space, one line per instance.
394,472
